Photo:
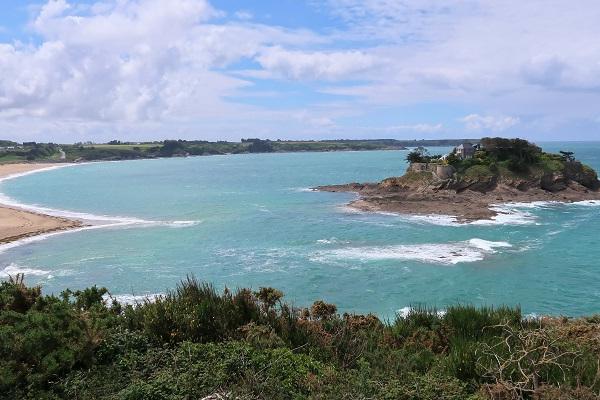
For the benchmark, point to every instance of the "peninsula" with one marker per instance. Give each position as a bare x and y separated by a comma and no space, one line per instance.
469,181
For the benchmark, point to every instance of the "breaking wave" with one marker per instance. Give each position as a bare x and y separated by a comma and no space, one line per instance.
404,312
14,269
444,254
131,299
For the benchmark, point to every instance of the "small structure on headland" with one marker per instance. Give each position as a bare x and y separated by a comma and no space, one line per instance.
440,170
465,150
440,166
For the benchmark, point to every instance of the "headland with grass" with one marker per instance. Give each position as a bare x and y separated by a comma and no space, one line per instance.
471,180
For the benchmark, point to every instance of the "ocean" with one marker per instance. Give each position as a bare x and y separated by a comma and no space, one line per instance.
250,220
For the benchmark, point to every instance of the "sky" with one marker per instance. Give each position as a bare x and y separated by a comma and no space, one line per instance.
133,70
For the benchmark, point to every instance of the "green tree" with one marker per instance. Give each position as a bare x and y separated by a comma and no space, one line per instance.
415,156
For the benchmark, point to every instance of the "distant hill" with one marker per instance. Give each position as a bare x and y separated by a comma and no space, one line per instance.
118,150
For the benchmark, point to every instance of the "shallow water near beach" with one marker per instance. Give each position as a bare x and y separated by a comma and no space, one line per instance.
250,221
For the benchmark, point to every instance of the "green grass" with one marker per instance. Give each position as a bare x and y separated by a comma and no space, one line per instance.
6,158
551,163
409,178
479,171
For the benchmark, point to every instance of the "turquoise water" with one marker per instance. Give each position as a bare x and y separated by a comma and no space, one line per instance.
249,221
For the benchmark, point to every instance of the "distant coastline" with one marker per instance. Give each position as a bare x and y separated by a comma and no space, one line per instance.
12,152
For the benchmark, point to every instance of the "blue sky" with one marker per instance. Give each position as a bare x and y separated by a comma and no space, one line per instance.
226,69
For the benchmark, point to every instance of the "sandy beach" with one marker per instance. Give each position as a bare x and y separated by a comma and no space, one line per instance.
16,224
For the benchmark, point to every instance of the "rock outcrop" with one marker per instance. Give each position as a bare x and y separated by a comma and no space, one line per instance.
470,196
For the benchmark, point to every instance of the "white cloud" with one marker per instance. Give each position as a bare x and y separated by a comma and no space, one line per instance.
401,21
152,65
130,62
561,74
418,128
302,65
476,122
244,15
533,57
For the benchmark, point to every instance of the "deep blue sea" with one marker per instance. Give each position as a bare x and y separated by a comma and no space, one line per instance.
250,221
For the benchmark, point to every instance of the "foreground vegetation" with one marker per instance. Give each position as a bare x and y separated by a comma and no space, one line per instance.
195,342
117,150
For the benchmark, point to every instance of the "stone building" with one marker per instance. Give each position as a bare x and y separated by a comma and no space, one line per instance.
465,150
440,170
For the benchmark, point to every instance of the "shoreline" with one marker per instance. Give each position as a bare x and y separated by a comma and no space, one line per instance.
465,207
18,223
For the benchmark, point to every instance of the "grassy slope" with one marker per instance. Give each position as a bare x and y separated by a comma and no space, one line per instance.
483,166
195,342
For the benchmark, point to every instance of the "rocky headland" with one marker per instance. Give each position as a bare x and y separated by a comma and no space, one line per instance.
500,171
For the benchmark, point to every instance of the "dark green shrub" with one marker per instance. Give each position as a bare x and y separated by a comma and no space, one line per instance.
194,342
420,321
473,323
461,361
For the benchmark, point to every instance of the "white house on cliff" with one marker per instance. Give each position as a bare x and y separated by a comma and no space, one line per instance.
465,150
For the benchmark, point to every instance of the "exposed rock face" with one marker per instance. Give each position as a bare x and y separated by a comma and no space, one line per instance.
554,182
481,185
470,197
582,174
444,171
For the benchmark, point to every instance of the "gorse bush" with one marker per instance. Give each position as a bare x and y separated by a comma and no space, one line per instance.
195,342
471,323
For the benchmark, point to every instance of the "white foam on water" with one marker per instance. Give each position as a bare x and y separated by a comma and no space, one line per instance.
82,216
587,203
95,221
332,240
532,204
532,317
507,214
92,218
38,238
303,189
443,253
487,245
404,312
514,213
326,241
14,269
346,209
35,171
179,224
131,299
441,220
